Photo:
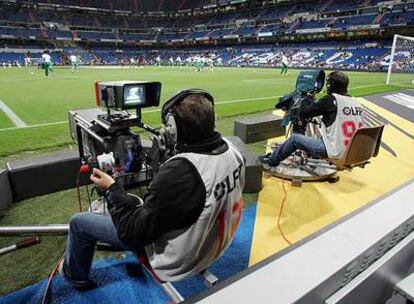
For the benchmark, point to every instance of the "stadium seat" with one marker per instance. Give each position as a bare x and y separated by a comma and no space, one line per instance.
364,145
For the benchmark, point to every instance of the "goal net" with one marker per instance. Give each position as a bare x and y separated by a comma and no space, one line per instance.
401,64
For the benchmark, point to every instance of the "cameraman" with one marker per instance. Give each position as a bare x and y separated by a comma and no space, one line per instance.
190,213
341,117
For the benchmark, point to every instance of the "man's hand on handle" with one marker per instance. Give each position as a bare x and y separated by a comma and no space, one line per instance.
101,179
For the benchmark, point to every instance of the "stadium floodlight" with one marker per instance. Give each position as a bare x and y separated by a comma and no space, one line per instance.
401,64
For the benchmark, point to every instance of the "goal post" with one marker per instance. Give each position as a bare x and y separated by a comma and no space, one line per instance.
401,63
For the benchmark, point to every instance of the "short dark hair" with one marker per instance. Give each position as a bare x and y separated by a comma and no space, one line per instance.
338,82
196,118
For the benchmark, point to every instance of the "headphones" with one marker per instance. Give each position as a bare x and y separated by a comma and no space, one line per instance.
337,82
171,130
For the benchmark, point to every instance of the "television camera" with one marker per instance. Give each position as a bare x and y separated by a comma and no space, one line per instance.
308,84
106,140
299,167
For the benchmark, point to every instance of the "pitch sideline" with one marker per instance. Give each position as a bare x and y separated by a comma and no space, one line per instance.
149,111
13,117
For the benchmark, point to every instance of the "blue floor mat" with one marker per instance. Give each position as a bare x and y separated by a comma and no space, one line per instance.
124,281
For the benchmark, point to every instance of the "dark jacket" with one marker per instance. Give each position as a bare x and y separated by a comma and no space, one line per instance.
326,106
174,200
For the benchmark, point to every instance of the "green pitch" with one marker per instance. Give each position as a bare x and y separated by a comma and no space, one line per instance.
43,104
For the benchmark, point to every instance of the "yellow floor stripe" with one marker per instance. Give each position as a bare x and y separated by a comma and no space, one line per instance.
315,205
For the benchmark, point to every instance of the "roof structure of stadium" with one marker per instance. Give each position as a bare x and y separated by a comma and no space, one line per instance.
149,5
198,22
134,5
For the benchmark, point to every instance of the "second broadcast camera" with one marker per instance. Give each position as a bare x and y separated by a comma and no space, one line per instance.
308,84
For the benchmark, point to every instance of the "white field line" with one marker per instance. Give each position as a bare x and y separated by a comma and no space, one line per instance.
158,110
35,126
13,117
401,99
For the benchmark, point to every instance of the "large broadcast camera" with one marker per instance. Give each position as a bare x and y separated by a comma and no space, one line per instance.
106,141
308,84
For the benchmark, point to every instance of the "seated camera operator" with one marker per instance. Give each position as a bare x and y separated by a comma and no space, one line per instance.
192,208
341,117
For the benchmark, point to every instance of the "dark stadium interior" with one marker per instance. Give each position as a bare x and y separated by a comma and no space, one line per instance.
111,32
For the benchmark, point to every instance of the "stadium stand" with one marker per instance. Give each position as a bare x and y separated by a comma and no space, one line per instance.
257,31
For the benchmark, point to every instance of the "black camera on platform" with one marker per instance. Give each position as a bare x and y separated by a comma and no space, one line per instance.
308,84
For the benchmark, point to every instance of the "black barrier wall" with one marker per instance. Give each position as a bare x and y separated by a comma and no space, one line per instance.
37,176
257,128
42,175
6,197
254,168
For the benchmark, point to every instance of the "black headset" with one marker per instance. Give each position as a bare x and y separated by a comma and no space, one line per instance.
171,119
169,105
337,82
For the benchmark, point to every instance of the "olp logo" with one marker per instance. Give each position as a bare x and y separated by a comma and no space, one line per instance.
352,111
228,184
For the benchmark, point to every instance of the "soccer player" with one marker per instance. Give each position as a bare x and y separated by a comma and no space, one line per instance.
47,63
198,61
179,62
219,63
132,62
171,61
285,64
27,61
208,63
158,60
74,63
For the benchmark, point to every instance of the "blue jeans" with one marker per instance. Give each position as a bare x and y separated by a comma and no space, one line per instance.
85,229
314,147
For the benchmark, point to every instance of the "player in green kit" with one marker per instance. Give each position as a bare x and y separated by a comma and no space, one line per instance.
47,63
285,65
198,62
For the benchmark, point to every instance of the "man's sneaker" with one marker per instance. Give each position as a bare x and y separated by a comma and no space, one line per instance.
80,285
265,159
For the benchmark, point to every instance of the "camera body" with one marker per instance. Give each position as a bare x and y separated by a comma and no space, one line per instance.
308,84
105,138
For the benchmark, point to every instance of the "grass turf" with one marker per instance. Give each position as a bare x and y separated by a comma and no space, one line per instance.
37,100
5,122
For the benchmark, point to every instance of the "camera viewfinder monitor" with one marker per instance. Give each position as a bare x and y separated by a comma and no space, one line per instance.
126,95
134,95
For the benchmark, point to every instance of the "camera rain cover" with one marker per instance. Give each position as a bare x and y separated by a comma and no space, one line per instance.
310,81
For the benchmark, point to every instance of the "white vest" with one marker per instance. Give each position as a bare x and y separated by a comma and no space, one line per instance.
348,119
182,253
